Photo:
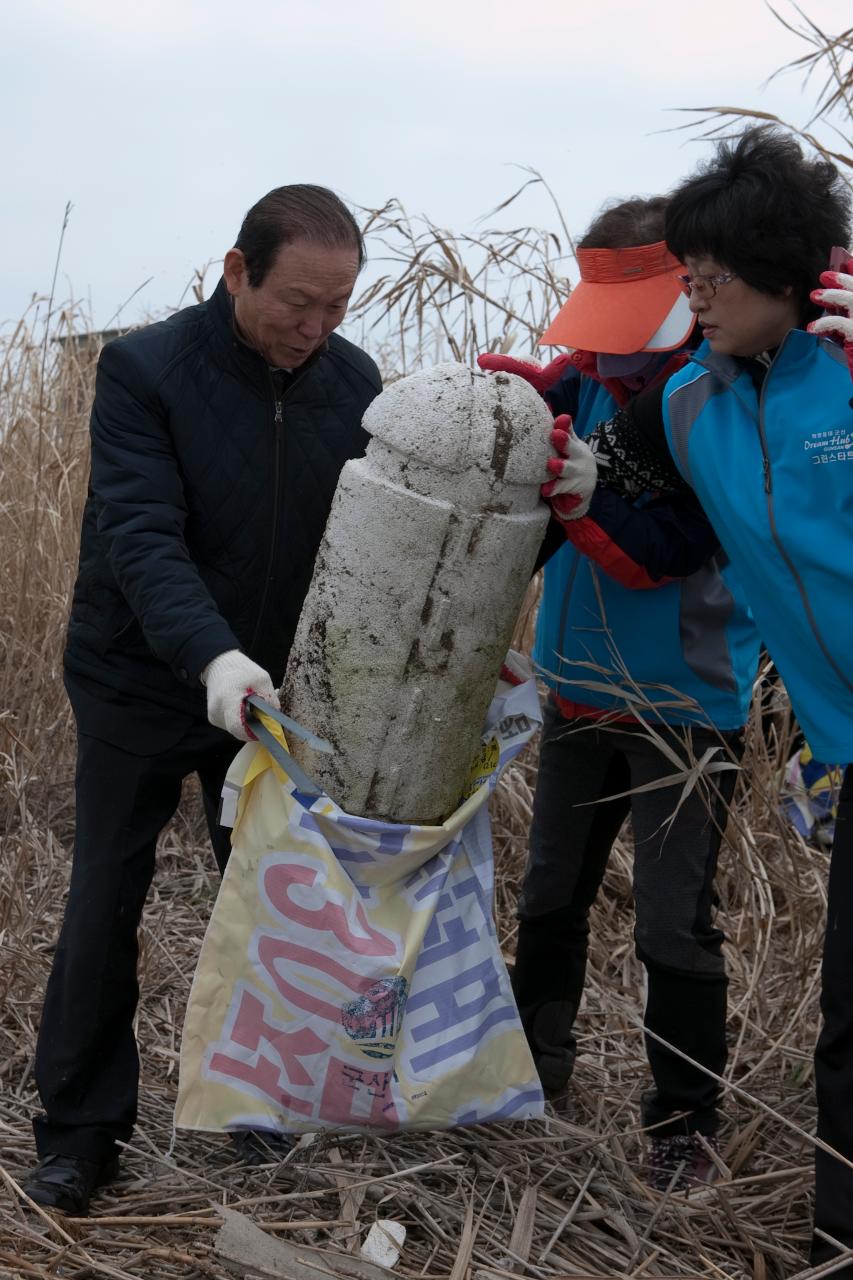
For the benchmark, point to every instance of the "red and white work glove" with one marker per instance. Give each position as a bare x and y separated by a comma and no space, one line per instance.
229,679
540,377
836,294
574,471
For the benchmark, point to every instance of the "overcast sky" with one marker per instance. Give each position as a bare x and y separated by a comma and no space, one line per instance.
163,120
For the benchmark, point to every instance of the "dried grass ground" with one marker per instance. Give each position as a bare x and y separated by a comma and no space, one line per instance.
561,1197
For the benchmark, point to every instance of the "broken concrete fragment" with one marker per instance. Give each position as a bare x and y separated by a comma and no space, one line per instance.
247,1250
417,585
383,1242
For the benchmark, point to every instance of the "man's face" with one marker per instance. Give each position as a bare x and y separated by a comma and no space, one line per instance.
302,298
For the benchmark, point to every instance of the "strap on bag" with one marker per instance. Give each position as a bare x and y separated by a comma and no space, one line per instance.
256,706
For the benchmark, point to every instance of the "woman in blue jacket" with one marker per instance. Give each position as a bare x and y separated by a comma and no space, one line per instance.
759,424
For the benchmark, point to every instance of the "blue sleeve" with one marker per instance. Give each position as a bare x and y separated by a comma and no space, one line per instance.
644,546
564,395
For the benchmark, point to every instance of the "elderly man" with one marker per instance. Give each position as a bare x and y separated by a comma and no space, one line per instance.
217,439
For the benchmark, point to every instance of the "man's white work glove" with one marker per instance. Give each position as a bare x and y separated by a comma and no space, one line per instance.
229,679
837,297
576,472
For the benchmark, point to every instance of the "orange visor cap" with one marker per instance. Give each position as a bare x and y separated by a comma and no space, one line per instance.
623,298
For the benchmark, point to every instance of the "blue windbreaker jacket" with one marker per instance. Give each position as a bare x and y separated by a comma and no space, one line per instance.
775,475
689,647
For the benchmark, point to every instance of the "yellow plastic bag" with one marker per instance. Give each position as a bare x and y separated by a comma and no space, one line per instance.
350,976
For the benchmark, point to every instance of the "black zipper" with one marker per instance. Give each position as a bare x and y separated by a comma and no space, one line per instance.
276,385
279,395
765,452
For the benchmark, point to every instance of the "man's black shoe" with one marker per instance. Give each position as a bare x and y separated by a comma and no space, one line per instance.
66,1183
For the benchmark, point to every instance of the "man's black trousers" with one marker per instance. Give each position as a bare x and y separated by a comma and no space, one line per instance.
87,1067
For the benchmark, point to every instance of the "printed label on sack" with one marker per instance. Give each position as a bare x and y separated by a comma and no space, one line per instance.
482,767
373,1020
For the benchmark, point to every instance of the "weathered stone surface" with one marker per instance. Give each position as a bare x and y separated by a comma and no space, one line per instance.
417,585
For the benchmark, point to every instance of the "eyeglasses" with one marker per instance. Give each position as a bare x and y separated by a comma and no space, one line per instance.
705,286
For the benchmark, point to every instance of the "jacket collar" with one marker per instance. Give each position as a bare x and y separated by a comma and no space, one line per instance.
796,346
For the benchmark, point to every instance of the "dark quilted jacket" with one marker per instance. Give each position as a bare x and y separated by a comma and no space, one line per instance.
204,514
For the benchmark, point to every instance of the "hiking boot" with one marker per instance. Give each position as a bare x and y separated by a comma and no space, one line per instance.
681,1163
260,1146
66,1183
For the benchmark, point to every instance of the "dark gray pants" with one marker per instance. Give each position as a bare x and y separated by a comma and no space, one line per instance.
675,858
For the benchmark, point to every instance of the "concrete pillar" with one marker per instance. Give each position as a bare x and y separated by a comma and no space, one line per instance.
427,553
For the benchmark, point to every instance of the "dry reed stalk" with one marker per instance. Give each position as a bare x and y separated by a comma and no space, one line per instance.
441,296
831,56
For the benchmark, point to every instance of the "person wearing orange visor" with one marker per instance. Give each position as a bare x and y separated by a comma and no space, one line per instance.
642,686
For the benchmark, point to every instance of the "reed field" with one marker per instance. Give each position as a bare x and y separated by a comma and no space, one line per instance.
561,1197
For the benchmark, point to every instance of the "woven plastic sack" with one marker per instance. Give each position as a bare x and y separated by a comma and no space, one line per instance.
351,977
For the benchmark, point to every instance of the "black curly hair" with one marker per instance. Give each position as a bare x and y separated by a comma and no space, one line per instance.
763,209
